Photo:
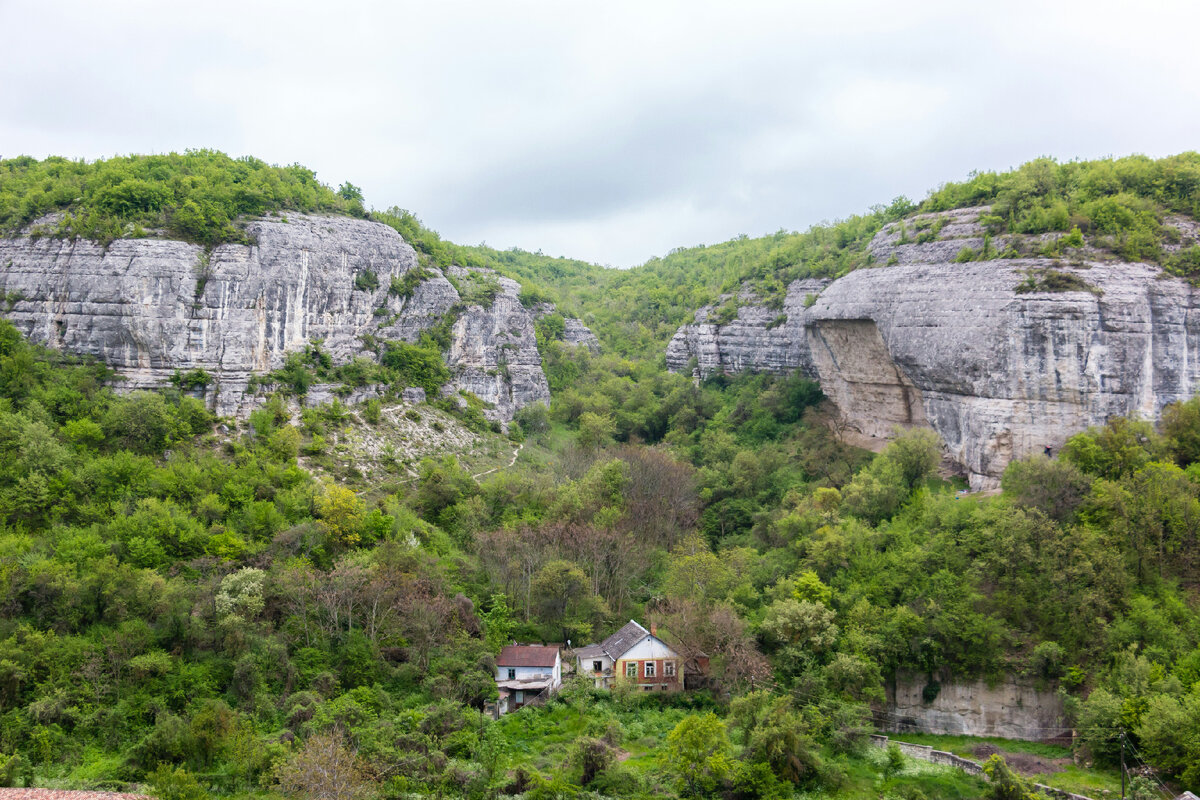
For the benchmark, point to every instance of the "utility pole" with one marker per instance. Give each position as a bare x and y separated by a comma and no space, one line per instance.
1122,765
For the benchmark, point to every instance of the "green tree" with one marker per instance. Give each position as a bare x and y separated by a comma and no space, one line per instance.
699,755
342,513
1056,488
1170,735
562,595
348,191
498,623
1004,784
1181,426
595,430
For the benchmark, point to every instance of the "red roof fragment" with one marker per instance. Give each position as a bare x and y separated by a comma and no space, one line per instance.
527,655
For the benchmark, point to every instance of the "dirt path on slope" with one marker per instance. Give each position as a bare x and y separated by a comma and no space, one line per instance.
512,461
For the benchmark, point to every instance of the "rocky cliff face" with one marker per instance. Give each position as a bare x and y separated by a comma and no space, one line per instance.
149,307
996,372
1009,709
494,354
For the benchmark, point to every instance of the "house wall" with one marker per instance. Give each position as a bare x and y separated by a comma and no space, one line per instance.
652,650
648,648
526,673
522,673
585,669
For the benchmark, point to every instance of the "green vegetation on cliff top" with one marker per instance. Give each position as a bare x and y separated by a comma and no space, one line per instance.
198,196
1123,206
1127,207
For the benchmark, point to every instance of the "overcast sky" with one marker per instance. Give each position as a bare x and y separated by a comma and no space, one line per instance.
609,131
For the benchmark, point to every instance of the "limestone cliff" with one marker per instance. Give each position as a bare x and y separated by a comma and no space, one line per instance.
1011,708
494,353
998,373
149,307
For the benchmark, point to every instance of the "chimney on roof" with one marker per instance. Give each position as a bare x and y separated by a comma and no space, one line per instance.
654,629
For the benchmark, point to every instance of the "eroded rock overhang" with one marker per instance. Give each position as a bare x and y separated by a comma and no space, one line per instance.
998,374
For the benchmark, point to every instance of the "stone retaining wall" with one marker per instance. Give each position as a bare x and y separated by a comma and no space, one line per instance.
924,752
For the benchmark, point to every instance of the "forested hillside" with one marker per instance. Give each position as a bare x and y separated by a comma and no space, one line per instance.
200,606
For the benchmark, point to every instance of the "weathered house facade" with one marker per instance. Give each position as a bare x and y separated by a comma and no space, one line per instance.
632,654
525,672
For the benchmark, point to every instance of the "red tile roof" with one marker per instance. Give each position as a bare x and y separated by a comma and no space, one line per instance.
527,655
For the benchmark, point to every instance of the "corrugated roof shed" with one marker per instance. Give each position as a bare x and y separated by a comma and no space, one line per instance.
527,655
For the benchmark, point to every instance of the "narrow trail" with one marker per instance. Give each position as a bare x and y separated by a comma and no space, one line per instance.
512,461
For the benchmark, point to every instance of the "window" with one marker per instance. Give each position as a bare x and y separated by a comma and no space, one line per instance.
669,669
631,669
649,669
648,687
597,666
664,687
512,674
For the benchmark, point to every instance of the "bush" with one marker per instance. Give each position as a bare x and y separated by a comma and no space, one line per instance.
1185,263
895,760
175,784
146,423
366,281
405,285
534,419
1052,280
325,768
416,365
725,314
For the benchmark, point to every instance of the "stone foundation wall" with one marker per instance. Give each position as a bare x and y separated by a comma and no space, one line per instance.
927,753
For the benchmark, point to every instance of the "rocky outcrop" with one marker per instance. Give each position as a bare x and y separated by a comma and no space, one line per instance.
494,354
150,307
758,339
575,333
995,372
1009,709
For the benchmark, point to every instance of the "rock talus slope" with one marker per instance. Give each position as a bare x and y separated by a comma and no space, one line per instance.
996,373
150,307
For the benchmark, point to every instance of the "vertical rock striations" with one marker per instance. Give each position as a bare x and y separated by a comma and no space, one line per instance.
494,354
150,307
